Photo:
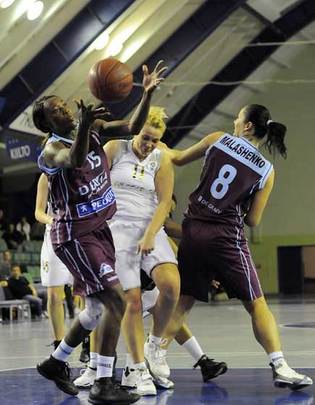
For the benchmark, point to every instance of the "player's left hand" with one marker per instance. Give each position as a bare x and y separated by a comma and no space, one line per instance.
152,80
146,245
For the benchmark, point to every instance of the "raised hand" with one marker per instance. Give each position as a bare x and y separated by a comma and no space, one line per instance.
88,114
152,80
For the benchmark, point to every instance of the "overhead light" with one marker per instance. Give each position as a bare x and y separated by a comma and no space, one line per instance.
35,10
101,41
6,3
114,48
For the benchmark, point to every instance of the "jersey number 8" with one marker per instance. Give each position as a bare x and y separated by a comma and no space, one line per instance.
220,186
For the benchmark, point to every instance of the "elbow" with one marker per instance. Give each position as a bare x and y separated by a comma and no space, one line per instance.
37,216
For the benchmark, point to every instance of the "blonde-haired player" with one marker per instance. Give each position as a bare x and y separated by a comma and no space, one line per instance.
143,179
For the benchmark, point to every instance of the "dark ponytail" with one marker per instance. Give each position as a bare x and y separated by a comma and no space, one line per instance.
260,117
275,138
38,115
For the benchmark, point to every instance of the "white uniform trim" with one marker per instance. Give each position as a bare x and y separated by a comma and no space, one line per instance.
53,272
246,153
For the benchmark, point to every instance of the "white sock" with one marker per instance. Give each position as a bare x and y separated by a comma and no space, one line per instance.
139,365
276,357
104,366
193,348
63,351
129,360
93,360
154,339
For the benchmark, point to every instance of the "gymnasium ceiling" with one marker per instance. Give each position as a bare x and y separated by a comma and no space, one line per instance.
200,40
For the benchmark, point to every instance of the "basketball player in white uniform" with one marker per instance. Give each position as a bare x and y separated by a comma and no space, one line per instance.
54,274
142,180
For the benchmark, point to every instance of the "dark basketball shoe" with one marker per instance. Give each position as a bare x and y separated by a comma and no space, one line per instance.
210,368
104,391
59,372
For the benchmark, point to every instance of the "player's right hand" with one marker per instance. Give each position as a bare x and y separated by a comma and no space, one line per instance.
146,245
88,114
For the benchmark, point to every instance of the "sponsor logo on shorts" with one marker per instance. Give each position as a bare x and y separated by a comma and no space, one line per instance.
45,266
96,205
105,269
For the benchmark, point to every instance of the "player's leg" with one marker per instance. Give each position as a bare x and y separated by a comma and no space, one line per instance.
133,331
161,266
267,335
88,375
91,261
208,367
56,312
166,278
242,281
128,265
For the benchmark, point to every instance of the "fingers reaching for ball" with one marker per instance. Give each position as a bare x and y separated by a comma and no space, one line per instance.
88,114
152,80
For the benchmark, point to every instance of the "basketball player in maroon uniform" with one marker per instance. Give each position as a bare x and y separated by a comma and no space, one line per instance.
234,188
82,201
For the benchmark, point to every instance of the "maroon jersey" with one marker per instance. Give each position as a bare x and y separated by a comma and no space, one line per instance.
82,198
233,171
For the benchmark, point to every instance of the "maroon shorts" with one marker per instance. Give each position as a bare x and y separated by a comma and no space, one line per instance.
91,260
214,251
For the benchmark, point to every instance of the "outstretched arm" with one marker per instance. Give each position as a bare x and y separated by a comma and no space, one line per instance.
194,152
125,128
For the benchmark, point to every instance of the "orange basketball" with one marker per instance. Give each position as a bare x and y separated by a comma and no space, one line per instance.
110,80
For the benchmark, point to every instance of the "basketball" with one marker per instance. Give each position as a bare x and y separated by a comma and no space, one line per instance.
110,80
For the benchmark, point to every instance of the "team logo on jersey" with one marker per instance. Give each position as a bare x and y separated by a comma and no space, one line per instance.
105,269
152,166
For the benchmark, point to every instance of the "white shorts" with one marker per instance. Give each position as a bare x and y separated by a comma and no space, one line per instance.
128,262
149,298
53,272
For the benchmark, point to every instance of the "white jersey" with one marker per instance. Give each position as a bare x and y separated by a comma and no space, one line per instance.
133,183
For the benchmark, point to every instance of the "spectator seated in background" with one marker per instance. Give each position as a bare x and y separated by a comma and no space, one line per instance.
13,237
5,265
22,289
24,227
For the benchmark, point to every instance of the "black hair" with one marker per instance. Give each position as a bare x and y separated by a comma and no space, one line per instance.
38,114
260,117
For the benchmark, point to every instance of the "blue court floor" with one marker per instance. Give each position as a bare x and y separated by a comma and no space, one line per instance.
224,332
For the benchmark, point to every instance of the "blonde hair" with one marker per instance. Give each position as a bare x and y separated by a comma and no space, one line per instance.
156,118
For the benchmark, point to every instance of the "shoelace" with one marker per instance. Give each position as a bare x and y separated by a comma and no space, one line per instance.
202,358
66,369
159,354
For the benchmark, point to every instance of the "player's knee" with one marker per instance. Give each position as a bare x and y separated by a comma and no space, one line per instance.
134,302
55,297
91,315
169,289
